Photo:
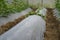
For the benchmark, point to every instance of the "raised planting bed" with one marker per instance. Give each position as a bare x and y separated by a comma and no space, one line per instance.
31,28
14,19
11,24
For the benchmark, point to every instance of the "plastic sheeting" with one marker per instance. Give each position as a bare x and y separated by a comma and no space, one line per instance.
49,3
56,13
31,28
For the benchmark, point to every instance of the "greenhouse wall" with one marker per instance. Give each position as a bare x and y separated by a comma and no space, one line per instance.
39,3
49,3
42,3
35,3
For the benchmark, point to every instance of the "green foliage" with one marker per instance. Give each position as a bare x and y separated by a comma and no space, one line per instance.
3,8
31,13
19,5
34,13
58,8
8,8
58,4
44,17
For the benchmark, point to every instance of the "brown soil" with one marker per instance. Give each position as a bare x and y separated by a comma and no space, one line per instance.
52,26
9,25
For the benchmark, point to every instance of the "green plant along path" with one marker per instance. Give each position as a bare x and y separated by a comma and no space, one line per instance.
8,8
58,5
3,8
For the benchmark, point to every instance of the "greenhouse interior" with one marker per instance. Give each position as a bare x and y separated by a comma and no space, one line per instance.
29,19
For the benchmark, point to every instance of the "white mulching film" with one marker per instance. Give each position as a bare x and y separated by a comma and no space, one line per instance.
31,28
57,14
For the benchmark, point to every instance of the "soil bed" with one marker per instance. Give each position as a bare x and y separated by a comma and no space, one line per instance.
52,26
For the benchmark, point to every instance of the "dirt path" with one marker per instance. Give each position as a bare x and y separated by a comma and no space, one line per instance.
52,30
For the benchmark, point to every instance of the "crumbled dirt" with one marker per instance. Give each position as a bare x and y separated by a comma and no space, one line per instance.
52,26
9,25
